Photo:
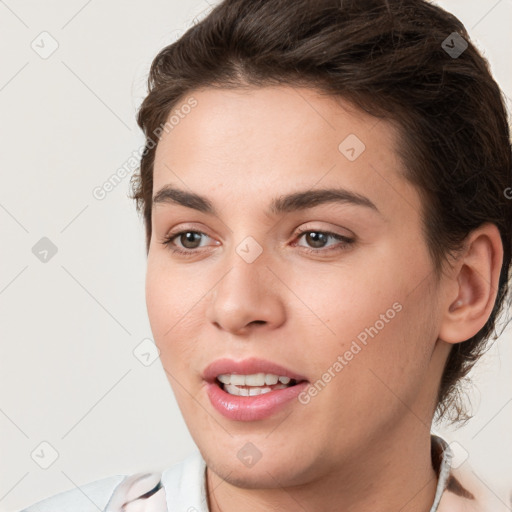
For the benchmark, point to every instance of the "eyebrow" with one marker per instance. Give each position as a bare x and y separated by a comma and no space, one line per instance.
301,200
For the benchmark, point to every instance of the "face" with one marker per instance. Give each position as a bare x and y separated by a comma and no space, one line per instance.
335,291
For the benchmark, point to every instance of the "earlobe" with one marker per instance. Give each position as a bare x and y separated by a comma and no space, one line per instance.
476,277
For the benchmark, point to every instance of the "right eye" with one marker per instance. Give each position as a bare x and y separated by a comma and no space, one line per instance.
188,239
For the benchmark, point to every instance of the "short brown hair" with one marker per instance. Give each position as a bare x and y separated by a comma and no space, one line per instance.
408,61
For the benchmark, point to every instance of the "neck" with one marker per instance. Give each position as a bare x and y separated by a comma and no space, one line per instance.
394,474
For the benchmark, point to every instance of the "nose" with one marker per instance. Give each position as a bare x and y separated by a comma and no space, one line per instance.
247,297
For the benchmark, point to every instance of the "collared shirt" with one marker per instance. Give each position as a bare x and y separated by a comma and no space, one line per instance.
182,488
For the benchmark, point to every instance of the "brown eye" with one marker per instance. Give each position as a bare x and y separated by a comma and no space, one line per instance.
189,239
186,242
316,239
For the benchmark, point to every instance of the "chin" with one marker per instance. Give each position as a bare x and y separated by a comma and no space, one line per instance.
263,475
279,465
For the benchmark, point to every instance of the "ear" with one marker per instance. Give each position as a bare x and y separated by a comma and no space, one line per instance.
473,285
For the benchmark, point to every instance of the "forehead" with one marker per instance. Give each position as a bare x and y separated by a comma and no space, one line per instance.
265,118
259,139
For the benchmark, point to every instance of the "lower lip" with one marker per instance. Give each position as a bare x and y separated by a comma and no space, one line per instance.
252,408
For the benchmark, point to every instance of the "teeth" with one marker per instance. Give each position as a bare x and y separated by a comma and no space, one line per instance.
255,379
238,380
271,379
235,390
258,379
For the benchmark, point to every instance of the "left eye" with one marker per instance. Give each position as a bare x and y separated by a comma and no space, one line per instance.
318,239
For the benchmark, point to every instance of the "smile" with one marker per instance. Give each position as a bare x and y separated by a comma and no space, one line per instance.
254,384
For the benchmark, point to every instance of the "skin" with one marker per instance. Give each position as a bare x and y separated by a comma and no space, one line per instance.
363,443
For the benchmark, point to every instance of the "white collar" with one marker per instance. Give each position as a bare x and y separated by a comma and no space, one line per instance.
182,487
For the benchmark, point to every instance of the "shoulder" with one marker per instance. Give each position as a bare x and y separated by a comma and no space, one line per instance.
88,497
180,487
185,484
465,491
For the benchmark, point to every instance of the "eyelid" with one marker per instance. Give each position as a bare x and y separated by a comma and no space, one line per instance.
346,233
344,242
301,229
184,228
298,231
175,233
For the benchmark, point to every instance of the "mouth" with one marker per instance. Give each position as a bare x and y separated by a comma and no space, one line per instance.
251,389
254,375
254,384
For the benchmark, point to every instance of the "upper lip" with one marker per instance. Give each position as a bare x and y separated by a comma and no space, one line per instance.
247,367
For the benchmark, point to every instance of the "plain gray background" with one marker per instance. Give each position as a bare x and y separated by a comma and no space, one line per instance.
71,326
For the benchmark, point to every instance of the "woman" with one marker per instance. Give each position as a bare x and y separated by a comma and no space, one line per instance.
326,196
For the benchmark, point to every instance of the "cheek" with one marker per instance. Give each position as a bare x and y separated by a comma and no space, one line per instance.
370,372
348,301
386,358
371,319
157,300
169,300
163,307
175,316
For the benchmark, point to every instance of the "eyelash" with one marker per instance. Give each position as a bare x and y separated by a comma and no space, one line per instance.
345,242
